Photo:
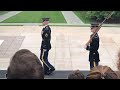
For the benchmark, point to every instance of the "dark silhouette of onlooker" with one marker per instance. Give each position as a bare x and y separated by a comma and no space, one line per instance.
77,74
25,65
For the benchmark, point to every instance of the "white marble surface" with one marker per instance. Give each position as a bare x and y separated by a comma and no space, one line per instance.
67,51
1,41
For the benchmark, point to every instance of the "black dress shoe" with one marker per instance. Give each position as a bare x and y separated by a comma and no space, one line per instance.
52,69
48,73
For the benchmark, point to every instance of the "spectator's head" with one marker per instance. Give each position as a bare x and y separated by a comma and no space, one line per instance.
25,65
45,21
102,72
76,75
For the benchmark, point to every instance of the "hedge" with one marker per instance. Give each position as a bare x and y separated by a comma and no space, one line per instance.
98,16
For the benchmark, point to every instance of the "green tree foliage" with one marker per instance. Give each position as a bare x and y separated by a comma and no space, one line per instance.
101,15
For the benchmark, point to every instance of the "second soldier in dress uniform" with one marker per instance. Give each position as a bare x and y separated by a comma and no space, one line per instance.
93,48
46,46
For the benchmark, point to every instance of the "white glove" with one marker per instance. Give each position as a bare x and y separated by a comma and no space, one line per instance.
85,46
44,50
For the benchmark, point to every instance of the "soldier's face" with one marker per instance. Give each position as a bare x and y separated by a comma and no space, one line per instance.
45,22
93,29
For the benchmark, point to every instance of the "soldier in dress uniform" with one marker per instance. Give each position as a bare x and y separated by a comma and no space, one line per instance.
93,47
45,47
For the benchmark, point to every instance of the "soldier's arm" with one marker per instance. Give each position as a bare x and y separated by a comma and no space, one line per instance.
94,46
44,46
50,32
46,35
42,35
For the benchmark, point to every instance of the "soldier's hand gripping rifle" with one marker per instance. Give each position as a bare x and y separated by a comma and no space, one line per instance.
99,28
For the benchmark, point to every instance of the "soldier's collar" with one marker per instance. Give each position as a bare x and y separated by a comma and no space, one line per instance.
45,25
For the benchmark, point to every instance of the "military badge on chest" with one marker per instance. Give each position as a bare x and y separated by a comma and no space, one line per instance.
46,35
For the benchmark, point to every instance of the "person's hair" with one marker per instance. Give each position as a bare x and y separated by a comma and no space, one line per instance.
77,74
25,65
102,72
118,64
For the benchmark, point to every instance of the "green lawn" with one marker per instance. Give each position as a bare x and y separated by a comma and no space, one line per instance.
82,16
36,17
3,12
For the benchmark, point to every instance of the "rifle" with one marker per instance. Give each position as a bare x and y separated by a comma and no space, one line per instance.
99,28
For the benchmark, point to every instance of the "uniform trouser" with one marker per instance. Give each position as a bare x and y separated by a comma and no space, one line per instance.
93,64
44,58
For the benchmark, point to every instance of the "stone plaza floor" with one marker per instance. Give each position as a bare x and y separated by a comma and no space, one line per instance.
67,51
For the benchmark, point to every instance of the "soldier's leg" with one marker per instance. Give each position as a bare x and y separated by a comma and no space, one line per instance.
97,59
43,59
48,63
91,64
97,63
45,69
41,54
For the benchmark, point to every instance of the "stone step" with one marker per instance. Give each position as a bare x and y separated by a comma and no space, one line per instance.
58,74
